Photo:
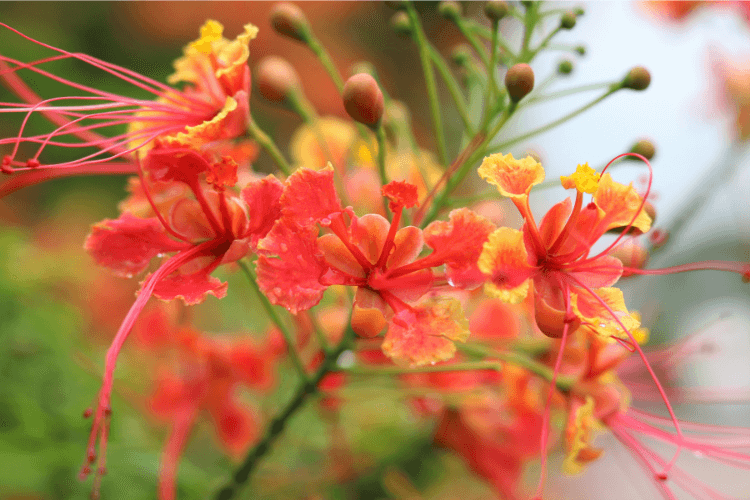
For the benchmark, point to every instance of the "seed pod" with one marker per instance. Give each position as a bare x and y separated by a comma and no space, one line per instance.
276,79
519,80
363,99
287,19
637,79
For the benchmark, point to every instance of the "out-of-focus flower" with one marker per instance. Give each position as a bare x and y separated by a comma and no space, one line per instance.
213,105
734,77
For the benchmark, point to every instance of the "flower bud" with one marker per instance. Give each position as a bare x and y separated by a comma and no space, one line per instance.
581,50
637,79
461,54
401,23
578,11
519,80
396,4
363,99
644,148
495,10
276,79
362,67
287,19
631,254
450,10
565,67
568,21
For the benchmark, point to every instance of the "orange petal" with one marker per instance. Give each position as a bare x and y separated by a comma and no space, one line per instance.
513,178
504,261
425,335
620,204
597,319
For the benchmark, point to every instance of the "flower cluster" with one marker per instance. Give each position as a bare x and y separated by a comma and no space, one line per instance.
513,335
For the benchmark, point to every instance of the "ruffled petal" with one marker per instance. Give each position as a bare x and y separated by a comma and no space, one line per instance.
458,243
400,194
620,204
263,199
191,288
127,245
504,261
290,266
425,335
309,196
600,320
513,178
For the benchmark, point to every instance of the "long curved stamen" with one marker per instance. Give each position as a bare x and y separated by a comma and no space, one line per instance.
640,207
552,386
99,428
643,357
150,199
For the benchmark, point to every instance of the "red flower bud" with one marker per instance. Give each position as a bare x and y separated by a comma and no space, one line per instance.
363,99
276,78
519,80
289,20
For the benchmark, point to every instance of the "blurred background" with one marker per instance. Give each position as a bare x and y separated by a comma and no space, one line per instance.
58,312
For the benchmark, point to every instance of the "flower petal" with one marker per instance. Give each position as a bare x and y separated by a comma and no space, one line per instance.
458,243
290,266
513,178
263,198
191,288
504,261
127,245
425,335
620,204
309,196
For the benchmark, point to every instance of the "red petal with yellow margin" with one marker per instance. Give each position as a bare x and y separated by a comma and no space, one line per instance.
458,243
191,288
127,245
620,204
309,196
290,266
425,335
513,178
504,261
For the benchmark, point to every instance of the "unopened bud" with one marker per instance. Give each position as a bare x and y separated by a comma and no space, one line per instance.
450,10
637,79
568,21
581,50
495,10
401,23
289,20
363,99
565,67
645,148
659,237
519,80
276,79
578,11
461,54
362,67
631,254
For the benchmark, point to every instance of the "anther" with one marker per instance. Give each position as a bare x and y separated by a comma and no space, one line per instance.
5,165
32,163
661,476
88,412
101,471
107,411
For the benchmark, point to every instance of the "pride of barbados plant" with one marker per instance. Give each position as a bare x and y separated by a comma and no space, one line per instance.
362,235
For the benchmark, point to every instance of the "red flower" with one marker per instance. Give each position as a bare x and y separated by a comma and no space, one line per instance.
214,227
296,266
213,105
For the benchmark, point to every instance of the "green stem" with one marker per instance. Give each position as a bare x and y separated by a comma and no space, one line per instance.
267,143
544,43
486,33
380,135
293,355
466,30
429,76
276,426
503,146
492,89
453,88
567,92
322,54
